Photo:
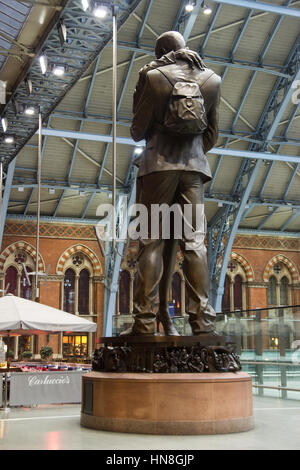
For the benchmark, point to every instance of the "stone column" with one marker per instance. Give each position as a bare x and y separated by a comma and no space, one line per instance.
91,296
76,294
231,294
131,293
19,284
182,286
90,344
60,344
244,299
16,347
277,292
244,307
62,286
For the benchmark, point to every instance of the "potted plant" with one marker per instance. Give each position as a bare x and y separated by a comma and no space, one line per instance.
46,352
26,355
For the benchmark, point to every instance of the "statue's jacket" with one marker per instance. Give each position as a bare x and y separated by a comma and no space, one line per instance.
165,151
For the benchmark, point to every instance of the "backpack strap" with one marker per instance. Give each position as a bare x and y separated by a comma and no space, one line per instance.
173,82
167,76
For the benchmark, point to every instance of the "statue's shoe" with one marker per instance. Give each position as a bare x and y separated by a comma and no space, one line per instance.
209,333
169,328
132,332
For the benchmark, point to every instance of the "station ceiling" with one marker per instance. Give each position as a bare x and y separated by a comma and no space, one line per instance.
255,163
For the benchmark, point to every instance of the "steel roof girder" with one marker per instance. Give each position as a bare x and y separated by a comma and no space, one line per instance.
290,220
6,195
113,261
122,93
272,69
76,11
268,7
218,275
128,141
210,28
189,24
266,219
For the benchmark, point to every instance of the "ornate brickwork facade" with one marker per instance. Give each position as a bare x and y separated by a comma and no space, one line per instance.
64,249
50,230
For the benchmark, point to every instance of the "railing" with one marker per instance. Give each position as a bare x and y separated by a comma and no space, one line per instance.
270,376
267,341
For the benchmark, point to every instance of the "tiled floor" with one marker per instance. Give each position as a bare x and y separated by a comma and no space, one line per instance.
57,427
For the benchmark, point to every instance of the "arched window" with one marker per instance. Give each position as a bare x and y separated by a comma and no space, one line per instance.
236,288
124,292
84,292
279,290
79,295
284,286
176,293
271,292
69,291
11,280
18,284
238,293
226,295
78,292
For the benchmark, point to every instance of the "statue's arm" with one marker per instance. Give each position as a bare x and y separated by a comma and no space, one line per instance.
210,135
138,92
143,113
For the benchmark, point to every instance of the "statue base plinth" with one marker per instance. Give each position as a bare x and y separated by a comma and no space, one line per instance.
167,404
166,354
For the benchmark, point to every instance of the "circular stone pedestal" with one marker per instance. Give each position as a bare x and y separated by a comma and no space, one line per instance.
145,403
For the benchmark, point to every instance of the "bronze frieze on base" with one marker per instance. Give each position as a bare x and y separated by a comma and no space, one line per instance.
166,354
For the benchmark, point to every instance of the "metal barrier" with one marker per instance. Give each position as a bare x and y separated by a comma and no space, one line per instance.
4,391
264,371
35,388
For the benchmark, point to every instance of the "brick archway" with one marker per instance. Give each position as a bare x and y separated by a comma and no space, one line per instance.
97,268
24,246
289,264
245,264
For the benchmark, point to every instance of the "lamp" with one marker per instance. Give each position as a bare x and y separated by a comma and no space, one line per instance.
189,7
206,9
62,32
28,85
43,63
85,4
9,139
4,124
138,150
30,111
100,10
58,70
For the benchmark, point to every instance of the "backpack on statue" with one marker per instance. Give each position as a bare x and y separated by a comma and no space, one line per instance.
185,113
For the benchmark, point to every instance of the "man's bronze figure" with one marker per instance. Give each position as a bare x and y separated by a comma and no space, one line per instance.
173,169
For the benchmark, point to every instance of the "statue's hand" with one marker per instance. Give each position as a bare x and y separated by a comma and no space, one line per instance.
189,56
